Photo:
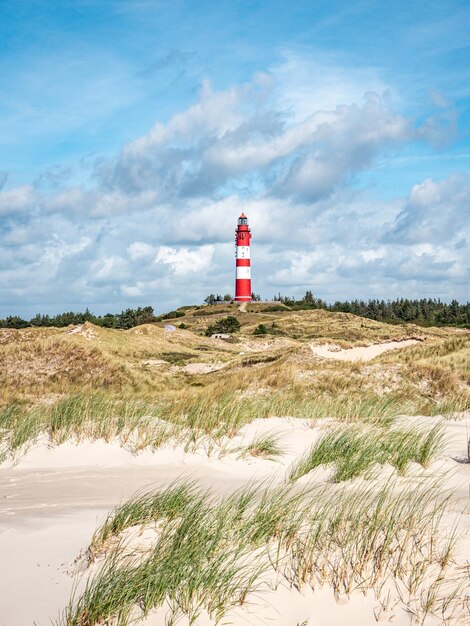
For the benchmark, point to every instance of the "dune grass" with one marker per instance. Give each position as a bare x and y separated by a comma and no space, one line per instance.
204,559
212,553
265,446
215,407
93,416
355,449
96,386
190,416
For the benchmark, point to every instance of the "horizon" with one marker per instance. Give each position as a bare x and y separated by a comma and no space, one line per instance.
274,299
341,130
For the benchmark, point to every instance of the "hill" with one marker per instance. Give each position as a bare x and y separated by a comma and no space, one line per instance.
149,364
300,451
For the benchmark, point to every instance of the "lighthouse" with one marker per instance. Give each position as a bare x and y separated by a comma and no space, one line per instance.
243,263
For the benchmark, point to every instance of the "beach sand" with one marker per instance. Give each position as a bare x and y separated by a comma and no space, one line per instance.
53,498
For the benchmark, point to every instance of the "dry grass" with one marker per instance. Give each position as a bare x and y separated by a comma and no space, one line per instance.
100,382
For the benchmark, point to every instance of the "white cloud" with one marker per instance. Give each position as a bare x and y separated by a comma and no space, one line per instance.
322,82
242,137
17,200
183,261
435,211
110,269
57,249
157,226
140,250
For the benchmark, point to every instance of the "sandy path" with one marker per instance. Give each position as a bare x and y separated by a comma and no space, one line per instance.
53,500
331,351
199,368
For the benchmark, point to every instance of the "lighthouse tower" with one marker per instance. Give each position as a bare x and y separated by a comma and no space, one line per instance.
243,264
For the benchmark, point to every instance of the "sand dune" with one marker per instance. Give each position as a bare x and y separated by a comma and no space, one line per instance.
52,500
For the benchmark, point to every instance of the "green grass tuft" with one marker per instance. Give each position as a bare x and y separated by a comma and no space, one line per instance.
355,449
266,446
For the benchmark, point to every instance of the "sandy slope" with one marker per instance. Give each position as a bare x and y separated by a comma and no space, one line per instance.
330,351
52,500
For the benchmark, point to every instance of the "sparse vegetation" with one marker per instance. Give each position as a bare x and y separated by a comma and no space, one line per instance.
260,330
210,554
355,449
267,446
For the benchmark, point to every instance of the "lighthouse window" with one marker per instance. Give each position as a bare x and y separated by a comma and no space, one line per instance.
243,221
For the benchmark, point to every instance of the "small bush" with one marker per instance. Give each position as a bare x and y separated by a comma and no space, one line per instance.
261,330
171,315
228,324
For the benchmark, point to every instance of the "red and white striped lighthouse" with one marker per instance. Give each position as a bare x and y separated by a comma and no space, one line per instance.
243,263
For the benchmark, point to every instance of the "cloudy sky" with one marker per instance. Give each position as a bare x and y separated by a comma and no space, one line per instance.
134,132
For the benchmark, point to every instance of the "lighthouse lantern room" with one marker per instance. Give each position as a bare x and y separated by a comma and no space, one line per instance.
243,261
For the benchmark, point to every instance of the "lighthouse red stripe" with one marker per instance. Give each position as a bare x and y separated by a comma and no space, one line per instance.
243,262
243,289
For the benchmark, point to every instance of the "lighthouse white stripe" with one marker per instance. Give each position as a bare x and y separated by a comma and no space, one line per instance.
243,252
243,272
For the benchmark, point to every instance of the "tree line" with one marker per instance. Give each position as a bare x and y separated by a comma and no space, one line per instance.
426,312
126,319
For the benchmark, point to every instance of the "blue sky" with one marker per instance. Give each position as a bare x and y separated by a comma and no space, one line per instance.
133,133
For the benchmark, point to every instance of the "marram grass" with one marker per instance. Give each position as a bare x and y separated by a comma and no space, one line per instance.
190,416
211,553
353,450
267,446
218,406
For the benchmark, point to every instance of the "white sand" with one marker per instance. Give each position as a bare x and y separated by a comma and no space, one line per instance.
54,498
199,368
366,353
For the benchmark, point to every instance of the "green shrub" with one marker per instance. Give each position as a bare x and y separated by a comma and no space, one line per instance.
228,324
261,330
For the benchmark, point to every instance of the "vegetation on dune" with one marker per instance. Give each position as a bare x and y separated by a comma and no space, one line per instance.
209,554
79,416
193,416
53,365
261,329
265,446
228,324
354,450
99,382
425,311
